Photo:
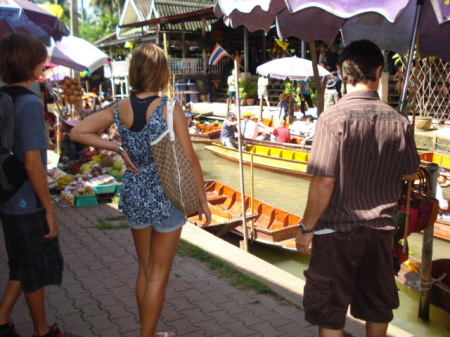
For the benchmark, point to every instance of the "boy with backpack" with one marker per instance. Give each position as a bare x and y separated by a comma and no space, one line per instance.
28,217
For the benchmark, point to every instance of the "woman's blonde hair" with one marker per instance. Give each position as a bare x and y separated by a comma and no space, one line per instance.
149,69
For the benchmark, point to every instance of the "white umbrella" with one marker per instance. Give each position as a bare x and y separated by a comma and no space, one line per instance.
56,73
77,54
296,68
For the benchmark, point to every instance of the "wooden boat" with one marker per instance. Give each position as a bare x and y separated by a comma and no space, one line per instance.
442,230
440,274
293,145
268,158
440,159
271,225
206,133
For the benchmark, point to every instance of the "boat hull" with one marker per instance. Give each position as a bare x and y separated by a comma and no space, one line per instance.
265,223
440,289
272,159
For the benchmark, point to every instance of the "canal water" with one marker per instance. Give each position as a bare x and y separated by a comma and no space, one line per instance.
290,193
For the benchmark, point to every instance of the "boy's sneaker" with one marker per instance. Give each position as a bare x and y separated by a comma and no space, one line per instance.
9,331
55,332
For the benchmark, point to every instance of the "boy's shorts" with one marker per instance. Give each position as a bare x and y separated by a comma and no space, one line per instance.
33,260
176,220
350,268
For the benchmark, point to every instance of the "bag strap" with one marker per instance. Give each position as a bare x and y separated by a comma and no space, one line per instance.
170,108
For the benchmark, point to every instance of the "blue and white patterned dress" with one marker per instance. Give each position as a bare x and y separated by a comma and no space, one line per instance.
142,199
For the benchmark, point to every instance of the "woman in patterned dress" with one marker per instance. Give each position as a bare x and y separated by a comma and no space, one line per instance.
155,223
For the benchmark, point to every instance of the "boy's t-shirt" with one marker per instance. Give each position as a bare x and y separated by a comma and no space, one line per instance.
29,135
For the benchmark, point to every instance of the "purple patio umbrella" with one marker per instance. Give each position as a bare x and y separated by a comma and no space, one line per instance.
387,23
393,25
24,16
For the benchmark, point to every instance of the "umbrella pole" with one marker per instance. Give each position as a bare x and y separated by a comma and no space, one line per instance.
244,243
410,56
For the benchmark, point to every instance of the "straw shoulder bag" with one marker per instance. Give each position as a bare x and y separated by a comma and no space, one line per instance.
174,169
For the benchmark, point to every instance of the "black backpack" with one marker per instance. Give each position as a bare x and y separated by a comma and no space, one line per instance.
12,170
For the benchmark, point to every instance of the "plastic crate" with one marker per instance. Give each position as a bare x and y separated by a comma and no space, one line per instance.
101,189
85,200
118,188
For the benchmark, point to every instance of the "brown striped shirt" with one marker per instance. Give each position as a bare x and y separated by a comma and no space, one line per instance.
367,146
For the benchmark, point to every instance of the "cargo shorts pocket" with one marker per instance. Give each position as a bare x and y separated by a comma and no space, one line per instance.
316,295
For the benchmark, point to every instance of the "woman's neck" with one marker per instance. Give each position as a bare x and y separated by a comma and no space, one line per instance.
145,94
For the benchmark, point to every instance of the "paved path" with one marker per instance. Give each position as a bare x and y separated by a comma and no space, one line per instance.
97,295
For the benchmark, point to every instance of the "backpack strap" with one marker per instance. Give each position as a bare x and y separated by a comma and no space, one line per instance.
16,91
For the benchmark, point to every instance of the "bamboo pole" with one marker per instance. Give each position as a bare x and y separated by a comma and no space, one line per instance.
244,243
252,196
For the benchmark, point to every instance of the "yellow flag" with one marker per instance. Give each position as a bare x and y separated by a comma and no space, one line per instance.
282,44
53,9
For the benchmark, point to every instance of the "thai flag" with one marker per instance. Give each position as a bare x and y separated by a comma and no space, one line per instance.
217,54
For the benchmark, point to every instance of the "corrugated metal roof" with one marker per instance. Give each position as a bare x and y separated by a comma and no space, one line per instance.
144,7
174,7
151,9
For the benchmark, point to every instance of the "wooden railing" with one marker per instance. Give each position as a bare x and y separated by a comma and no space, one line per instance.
192,66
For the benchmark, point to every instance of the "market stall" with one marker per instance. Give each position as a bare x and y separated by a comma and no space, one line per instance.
85,181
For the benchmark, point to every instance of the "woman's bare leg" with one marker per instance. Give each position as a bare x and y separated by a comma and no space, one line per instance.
155,252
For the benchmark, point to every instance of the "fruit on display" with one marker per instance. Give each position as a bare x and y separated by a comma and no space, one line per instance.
65,180
72,90
67,198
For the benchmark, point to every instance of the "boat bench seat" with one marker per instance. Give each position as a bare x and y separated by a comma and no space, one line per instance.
216,199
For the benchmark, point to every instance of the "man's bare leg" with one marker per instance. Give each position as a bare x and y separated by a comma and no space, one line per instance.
376,329
324,332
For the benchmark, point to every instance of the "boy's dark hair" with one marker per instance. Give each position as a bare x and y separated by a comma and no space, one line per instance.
20,54
358,62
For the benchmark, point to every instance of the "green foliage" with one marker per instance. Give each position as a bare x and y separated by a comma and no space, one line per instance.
94,30
248,88
292,87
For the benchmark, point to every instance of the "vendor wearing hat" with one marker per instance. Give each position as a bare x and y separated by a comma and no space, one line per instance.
331,96
249,128
283,111
228,134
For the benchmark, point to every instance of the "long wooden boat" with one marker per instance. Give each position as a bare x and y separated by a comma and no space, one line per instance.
442,230
206,133
440,159
268,158
293,145
266,224
440,274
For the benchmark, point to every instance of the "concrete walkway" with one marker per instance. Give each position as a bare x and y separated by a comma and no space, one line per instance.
97,295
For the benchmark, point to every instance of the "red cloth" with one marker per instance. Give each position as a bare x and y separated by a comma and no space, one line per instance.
282,134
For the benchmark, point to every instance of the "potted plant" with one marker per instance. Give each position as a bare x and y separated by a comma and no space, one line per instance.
248,90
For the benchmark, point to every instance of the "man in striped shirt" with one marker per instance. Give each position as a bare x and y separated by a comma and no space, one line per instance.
362,148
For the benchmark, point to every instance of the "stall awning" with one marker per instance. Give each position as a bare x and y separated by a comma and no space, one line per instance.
206,13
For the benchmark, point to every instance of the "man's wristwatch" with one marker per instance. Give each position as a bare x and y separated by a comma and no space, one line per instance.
304,230
119,150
